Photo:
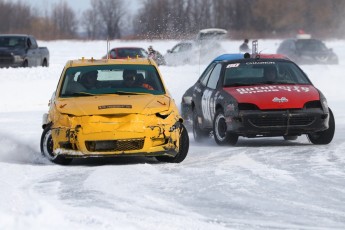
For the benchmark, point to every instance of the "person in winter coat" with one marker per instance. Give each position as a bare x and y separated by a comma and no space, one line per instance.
244,47
155,55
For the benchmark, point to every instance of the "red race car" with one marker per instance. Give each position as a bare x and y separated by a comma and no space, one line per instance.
127,52
256,96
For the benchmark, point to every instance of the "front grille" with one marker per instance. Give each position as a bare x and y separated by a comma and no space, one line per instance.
6,59
268,121
281,121
114,145
301,120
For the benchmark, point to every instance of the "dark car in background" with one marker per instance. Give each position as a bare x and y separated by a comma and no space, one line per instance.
266,95
307,50
21,50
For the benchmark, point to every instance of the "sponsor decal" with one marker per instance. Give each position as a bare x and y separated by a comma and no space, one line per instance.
233,65
280,100
115,107
272,88
261,63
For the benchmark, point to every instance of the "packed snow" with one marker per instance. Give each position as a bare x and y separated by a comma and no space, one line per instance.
264,183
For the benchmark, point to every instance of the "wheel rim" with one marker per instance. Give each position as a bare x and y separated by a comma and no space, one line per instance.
48,145
220,127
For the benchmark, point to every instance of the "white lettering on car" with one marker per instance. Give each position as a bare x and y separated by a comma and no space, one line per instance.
233,65
261,63
206,104
264,89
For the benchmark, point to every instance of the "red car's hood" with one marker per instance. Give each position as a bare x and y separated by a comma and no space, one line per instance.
275,96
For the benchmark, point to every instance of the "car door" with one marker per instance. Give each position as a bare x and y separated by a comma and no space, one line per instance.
179,54
198,91
33,53
208,96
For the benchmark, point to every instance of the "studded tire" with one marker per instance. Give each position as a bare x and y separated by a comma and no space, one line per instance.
47,148
324,137
220,133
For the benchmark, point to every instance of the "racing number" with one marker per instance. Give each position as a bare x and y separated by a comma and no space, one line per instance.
206,102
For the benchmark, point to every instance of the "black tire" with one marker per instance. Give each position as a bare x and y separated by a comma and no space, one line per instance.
183,148
324,137
25,63
221,136
47,148
198,134
290,138
45,63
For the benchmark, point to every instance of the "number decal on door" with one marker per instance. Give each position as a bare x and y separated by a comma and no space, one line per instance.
206,104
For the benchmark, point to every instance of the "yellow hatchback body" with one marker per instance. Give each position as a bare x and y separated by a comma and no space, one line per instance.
114,107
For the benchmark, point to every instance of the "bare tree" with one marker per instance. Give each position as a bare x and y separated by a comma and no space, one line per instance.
15,17
201,14
64,20
92,23
110,12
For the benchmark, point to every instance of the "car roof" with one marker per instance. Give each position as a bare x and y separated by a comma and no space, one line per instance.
237,56
93,62
213,30
129,47
229,57
302,39
14,35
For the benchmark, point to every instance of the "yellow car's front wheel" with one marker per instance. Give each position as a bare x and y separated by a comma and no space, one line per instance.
47,148
183,148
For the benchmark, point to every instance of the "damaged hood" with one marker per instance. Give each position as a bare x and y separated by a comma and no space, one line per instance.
275,96
113,104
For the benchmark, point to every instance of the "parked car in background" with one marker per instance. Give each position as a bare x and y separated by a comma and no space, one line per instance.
259,96
307,50
113,108
127,52
202,49
20,50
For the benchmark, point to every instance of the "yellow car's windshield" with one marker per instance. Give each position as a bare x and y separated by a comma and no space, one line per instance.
111,79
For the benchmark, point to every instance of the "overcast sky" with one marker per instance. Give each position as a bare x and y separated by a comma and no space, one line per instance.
43,5
78,6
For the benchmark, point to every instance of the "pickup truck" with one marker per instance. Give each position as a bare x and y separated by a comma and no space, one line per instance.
19,50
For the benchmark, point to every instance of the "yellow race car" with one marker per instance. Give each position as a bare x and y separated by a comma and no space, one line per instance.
114,107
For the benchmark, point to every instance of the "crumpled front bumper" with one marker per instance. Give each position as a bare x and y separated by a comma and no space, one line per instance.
135,135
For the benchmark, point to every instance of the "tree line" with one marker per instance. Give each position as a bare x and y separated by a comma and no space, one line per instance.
111,19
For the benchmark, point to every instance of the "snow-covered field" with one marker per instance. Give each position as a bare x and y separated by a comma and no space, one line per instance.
258,184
